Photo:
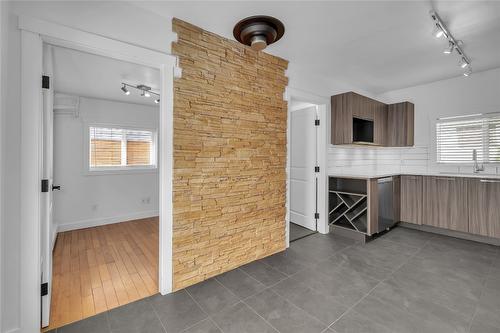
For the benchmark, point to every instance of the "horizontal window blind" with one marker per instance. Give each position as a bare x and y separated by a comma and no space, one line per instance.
118,147
457,138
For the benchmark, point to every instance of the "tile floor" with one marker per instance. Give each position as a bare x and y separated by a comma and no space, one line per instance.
404,281
297,232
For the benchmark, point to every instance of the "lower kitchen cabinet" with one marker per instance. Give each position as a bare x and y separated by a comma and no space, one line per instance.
484,207
445,203
411,199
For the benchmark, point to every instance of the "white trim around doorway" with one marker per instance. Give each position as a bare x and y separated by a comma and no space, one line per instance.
323,112
34,33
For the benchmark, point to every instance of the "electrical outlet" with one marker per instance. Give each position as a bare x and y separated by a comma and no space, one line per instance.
148,200
95,207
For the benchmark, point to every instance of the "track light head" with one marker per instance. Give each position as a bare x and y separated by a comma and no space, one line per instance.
449,49
438,32
463,63
468,71
125,90
157,101
146,94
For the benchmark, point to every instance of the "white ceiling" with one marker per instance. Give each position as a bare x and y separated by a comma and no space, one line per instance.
88,75
374,45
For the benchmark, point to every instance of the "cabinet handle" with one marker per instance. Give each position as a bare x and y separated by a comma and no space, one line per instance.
489,181
445,178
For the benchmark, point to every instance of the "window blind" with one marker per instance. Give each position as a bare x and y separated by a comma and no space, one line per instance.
118,147
457,138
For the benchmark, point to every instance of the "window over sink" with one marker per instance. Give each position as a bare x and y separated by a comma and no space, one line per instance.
457,137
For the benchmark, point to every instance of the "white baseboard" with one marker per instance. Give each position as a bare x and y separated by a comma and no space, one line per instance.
14,330
105,220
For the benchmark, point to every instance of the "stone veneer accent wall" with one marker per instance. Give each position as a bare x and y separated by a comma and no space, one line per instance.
230,124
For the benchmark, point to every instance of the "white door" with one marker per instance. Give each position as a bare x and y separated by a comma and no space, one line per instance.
46,229
303,159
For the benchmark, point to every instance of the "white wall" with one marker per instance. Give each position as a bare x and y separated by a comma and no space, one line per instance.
88,200
478,93
3,40
109,19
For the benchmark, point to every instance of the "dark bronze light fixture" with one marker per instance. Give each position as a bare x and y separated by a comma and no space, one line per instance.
258,31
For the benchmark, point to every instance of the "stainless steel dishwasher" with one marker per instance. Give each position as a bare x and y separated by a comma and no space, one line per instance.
385,203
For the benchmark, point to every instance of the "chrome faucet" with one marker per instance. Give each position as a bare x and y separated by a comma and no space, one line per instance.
476,167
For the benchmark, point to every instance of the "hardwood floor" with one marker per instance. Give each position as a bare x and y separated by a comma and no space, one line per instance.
100,268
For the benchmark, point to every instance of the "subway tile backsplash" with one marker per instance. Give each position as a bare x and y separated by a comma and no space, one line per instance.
380,160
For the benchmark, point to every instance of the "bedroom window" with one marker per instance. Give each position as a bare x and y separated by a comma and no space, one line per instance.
457,137
115,148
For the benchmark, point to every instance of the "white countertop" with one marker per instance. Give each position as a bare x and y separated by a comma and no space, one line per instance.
426,173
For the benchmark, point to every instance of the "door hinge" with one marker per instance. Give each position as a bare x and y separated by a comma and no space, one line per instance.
45,185
45,82
316,216
316,122
45,288
316,169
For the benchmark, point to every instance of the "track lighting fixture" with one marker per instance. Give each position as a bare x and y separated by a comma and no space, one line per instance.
449,49
145,91
463,63
125,90
440,30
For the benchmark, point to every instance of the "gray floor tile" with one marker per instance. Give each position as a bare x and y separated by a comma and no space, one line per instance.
422,307
137,317
353,322
385,244
445,276
263,273
239,318
408,237
355,260
95,324
205,326
323,307
344,285
240,283
285,262
457,300
390,316
212,296
282,314
297,231
177,311
486,318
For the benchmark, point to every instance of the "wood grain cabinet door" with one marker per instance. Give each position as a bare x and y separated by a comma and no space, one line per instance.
484,207
445,203
400,125
411,199
341,119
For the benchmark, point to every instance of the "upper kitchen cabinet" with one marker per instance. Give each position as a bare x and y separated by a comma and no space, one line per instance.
400,124
484,208
357,119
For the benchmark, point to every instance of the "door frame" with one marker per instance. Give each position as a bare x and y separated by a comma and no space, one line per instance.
34,33
323,112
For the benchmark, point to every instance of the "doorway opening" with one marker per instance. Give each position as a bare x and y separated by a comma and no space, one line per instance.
100,217
304,169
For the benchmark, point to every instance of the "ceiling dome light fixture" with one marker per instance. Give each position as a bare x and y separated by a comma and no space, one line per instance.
440,29
258,31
